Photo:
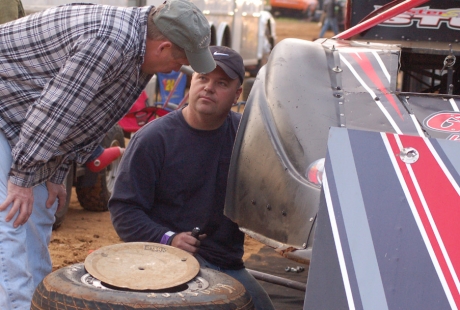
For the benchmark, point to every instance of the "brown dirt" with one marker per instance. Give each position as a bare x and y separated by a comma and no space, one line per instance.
83,232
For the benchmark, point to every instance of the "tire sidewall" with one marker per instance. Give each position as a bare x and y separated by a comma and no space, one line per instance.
66,284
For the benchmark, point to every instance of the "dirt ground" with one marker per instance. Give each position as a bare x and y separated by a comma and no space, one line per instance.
83,232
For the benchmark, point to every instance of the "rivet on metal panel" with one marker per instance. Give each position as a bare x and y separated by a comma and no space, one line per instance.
409,155
311,219
284,213
337,88
304,245
338,95
269,207
340,102
337,69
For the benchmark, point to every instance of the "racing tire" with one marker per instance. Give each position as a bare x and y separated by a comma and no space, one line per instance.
60,214
247,86
73,288
95,198
269,44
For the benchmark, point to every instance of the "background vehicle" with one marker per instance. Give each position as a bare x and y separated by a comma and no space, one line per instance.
294,8
244,25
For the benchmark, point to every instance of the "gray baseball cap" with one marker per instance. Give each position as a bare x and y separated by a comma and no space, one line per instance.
185,25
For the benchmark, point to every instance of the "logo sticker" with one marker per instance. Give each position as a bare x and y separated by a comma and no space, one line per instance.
444,121
425,17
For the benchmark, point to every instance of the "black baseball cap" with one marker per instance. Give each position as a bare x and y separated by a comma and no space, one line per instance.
229,60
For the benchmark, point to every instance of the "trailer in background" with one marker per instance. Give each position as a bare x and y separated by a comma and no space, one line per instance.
243,25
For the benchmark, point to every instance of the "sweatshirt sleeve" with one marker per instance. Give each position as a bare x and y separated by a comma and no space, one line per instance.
134,193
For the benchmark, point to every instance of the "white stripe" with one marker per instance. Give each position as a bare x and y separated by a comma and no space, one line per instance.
454,105
382,65
416,215
428,212
417,126
338,244
373,95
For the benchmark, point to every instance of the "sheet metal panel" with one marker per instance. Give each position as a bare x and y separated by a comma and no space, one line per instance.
393,223
435,21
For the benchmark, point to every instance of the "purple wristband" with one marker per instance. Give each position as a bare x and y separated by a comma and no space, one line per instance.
166,236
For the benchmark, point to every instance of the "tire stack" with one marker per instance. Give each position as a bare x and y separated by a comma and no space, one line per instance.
73,288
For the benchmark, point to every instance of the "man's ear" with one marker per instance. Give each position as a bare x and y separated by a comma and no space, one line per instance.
238,93
165,45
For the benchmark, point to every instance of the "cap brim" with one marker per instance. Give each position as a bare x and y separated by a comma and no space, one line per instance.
230,72
201,62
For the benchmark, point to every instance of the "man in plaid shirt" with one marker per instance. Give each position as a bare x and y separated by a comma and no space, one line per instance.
67,75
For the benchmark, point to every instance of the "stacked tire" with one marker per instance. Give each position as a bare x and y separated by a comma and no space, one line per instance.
73,288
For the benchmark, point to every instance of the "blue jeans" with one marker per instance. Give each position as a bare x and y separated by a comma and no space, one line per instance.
24,255
260,298
329,23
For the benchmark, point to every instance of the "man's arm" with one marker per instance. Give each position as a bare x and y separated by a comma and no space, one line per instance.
48,123
61,104
133,199
134,193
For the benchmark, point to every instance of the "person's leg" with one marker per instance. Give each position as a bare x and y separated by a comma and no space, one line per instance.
39,228
334,25
260,298
24,255
16,286
325,27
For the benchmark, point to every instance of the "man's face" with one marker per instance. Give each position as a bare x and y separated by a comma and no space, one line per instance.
213,94
158,58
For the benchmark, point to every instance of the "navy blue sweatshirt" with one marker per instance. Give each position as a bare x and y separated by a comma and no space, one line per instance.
173,178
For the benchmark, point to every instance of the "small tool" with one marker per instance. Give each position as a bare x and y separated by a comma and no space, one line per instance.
195,232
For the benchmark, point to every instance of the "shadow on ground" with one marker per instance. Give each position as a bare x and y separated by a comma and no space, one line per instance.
270,262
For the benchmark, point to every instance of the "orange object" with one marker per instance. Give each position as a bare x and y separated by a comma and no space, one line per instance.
105,159
298,5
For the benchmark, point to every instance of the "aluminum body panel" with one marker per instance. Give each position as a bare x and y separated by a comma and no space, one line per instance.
305,89
387,242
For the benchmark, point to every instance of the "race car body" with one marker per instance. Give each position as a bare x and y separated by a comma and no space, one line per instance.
305,89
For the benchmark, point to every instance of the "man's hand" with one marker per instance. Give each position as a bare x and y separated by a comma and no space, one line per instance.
22,199
56,191
186,242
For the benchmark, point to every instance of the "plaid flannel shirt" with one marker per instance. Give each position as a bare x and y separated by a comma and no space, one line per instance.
67,75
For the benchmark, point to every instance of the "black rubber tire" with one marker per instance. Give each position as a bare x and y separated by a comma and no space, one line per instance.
96,197
60,214
64,289
269,45
247,86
